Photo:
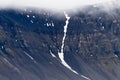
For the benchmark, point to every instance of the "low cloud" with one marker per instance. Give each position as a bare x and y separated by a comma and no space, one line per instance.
50,4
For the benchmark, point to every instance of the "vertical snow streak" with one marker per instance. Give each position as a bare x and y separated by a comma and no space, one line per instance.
61,53
65,31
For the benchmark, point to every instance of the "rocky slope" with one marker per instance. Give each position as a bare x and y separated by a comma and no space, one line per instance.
30,44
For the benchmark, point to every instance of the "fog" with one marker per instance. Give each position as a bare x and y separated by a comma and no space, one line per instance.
54,4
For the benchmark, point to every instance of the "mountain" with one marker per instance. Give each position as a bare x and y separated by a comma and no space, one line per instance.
59,46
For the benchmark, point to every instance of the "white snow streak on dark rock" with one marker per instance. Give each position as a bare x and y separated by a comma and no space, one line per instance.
61,53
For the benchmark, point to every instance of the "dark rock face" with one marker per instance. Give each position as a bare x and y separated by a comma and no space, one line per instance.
92,46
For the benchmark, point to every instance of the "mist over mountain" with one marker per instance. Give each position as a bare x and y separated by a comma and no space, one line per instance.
59,46
53,4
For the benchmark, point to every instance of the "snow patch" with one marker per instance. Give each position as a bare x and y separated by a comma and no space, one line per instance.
30,57
31,21
2,47
61,53
33,16
52,54
85,77
28,16
116,55
50,24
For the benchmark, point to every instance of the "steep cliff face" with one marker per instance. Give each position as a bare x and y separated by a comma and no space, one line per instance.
31,45
94,41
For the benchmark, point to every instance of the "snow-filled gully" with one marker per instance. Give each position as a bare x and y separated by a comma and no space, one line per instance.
61,52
